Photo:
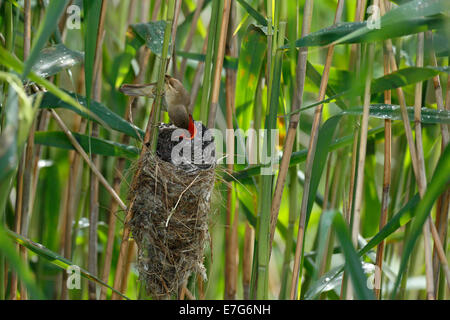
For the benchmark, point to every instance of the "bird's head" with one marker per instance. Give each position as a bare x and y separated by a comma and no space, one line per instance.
175,93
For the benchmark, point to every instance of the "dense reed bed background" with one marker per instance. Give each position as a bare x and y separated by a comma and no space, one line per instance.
357,207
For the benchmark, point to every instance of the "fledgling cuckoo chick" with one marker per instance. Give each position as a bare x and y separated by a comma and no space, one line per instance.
176,97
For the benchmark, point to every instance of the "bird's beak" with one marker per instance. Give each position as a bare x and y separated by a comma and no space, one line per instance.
138,90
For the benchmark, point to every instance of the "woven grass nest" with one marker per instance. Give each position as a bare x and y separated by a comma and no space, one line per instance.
170,207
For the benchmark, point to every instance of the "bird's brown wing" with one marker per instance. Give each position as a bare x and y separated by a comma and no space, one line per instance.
138,90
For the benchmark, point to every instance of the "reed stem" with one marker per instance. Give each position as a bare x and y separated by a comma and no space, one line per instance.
299,251
386,185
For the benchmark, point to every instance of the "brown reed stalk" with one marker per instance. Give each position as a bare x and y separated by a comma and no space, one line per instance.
156,8
200,287
130,258
362,157
310,160
197,77
62,22
386,184
94,183
25,174
385,192
354,64
440,252
355,49
331,195
418,166
421,160
26,197
131,12
72,190
231,248
120,166
190,37
69,204
219,64
297,100
174,36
